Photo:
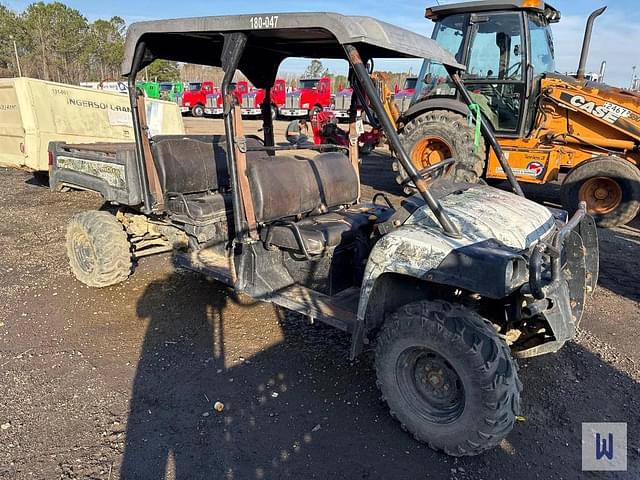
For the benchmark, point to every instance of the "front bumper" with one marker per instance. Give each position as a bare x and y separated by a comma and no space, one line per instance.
563,272
185,109
213,111
342,114
294,112
251,111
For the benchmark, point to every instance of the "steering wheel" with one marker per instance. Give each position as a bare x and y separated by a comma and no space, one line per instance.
505,101
512,75
431,172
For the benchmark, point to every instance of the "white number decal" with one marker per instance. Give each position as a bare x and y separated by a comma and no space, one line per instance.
617,109
270,21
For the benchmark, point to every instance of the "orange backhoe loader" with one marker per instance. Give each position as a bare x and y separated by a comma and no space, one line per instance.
546,124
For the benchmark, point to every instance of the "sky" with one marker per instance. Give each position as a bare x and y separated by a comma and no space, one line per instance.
616,36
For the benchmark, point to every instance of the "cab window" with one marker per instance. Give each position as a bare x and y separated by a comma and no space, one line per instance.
495,73
542,52
433,79
496,48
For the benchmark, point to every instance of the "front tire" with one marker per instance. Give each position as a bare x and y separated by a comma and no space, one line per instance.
609,185
437,135
197,111
98,249
447,377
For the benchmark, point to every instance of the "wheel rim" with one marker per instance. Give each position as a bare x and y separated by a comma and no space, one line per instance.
430,385
602,195
429,151
83,253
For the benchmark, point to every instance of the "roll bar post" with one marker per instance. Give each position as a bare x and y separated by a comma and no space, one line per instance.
234,44
147,202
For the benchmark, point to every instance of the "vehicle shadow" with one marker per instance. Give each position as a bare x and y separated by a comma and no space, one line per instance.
296,407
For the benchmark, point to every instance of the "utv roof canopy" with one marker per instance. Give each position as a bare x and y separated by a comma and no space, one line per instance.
273,37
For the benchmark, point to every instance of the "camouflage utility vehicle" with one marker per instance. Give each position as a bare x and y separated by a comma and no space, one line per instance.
447,288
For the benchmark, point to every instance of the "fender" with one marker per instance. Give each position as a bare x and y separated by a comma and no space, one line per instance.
419,253
423,106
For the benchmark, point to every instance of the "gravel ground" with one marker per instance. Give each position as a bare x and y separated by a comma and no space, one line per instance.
122,382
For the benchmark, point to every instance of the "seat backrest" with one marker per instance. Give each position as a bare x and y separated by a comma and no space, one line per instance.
337,179
190,164
194,163
285,186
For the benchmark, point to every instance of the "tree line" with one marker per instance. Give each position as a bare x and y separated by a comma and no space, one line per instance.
56,42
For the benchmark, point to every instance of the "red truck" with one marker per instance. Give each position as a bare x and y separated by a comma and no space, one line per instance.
194,98
311,96
402,98
252,100
213,104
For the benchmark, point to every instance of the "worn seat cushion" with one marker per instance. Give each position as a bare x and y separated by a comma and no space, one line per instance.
199,207
320,233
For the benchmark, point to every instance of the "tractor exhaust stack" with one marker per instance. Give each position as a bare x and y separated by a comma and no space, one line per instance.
587,42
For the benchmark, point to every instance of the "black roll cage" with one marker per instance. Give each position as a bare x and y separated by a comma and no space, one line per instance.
233,47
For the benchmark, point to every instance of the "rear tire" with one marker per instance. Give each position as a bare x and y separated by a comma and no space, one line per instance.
437,135
197,111
447,377
609,185
98,249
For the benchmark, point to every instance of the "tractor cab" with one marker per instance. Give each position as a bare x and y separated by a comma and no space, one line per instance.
506,46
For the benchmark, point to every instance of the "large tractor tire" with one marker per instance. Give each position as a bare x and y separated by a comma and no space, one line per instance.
448,378
609,185
98,249
437,135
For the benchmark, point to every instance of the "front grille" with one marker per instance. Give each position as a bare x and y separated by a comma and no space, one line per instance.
179,100
212,100
248,101
343,102
293,101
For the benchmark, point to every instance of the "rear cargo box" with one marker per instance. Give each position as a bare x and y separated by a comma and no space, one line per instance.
34,113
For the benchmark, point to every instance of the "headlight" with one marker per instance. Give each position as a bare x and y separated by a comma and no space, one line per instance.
305,105
515,273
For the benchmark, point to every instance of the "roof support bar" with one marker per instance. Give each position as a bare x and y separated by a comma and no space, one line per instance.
147,206
234,44
365,80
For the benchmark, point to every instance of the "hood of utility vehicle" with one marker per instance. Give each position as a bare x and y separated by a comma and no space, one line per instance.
484,213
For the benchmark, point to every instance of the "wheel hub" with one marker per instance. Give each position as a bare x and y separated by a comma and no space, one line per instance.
84,253
430,385
430,151
602,195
